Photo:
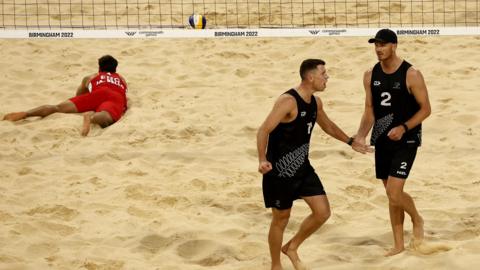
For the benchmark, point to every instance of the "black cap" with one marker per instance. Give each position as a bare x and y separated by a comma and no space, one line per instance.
384,36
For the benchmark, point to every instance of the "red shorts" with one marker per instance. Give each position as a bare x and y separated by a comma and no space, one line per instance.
107,100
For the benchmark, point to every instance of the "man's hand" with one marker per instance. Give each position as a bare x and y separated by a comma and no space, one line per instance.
264,167
360,146
396,133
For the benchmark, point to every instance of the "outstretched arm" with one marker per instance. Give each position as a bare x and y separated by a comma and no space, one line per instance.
328,125
368,117
281,112
333,130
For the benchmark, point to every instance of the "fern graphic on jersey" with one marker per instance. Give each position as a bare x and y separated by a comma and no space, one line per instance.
381,125
289,164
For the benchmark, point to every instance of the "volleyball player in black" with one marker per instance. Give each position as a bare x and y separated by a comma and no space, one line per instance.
283,142
396,103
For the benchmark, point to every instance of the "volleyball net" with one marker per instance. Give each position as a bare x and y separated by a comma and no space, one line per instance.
142,14
238,14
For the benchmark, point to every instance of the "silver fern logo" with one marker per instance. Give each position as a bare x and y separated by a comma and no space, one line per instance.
381,125
289,164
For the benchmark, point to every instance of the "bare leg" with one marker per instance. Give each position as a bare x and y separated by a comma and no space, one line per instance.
102,118
275,235
417,220
86,123
320,213
15,116
397,217
43,111
400,201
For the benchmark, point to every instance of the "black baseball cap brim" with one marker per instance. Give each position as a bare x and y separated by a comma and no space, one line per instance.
384,36
373,40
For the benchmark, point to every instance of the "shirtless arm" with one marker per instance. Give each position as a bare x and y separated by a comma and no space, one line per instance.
328,125
416,85
123,80
83,87
282,111
368,117
333,130
126,90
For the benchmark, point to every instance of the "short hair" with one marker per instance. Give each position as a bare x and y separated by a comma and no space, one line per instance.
107,63
308,65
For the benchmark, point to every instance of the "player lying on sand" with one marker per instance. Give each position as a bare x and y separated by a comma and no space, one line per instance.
101,96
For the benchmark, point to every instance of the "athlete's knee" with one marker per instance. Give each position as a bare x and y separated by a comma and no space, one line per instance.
281,217
66,107
102,119
102,122
322,216
394,197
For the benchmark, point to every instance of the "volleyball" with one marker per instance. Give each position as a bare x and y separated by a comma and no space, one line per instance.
197,21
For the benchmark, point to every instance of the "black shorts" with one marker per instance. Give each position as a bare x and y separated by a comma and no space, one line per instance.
394,161
281,192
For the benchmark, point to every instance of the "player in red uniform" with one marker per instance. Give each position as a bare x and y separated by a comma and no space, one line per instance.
102,96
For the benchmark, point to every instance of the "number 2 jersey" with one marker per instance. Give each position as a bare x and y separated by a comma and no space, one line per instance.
289,143
393,105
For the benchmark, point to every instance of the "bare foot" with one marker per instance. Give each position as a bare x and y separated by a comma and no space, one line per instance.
86,123
277,267
15,116
293,256
394,251
418,232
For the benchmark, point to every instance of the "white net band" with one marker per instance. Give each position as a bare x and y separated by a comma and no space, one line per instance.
234,33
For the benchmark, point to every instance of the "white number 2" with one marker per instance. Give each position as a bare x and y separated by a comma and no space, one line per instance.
386,99
403,165
309,127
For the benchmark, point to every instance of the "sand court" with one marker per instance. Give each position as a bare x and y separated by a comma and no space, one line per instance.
173,184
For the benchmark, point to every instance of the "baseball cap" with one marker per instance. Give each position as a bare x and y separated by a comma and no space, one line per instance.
384,36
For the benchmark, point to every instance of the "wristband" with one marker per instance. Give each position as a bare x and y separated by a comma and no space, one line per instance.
405,127
350,141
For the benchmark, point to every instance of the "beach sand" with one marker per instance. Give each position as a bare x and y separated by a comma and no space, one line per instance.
174,184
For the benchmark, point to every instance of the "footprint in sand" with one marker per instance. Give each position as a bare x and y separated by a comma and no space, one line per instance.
54,212
154,243
242,73
204,252
249,250
426,248
359,191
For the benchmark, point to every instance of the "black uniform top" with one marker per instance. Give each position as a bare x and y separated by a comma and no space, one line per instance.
393,105
288,143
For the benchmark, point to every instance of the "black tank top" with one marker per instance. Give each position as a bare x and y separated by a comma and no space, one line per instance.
289,143
392,106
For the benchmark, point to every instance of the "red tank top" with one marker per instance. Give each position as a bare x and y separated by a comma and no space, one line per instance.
107,80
